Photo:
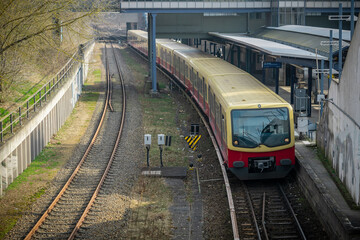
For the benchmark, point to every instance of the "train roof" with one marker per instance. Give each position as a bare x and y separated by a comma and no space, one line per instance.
139,32
232,85
193,53
235,86
175,45
243,89
210,66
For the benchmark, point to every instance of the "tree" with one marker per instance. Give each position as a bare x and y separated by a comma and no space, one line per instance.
25,24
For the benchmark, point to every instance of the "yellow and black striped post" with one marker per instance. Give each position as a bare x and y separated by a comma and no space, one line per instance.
192,141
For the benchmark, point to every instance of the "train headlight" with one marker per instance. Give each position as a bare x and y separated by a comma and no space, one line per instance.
239,164
285,162
236,143
259,106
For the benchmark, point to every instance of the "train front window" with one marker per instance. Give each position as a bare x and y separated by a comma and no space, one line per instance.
254,127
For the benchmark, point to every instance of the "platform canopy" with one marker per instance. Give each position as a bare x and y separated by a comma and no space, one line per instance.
317,31
268,47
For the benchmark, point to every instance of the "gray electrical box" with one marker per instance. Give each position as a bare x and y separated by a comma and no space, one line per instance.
147,139
301,99
161,139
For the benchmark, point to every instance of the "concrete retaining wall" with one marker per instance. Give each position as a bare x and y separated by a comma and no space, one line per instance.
19,151
339,130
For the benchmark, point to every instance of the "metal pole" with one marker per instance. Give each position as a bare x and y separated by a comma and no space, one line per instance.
223,51
34,103
20,115
149,43
11,122
322,86
330,58
292,84
147,156
161,162
340,40
238,56
153,54
352,19
277,80
27,109
309,90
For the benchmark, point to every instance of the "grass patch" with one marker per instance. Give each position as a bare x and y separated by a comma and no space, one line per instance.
132,62
3,112
340,185
151,218
159,118
46,160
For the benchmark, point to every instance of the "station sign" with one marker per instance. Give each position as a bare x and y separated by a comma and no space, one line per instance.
342,18
272,64
328,43
320,71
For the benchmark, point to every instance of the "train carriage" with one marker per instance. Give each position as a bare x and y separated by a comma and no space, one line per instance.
253,126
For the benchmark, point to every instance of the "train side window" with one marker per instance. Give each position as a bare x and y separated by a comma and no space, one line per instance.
186,71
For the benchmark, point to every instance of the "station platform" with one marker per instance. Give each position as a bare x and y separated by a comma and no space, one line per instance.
339,220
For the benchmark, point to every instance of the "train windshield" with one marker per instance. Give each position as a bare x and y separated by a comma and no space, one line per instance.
254,127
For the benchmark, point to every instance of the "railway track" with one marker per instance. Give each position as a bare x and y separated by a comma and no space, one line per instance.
256,211
272,216
66,214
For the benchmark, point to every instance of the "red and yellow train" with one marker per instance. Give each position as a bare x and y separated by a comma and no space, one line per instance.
254,127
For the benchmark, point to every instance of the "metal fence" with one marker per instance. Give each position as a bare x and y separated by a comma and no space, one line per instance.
15,118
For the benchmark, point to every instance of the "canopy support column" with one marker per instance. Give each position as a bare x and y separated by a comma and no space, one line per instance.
152,49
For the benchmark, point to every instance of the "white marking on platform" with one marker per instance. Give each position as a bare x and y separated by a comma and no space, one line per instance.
151,173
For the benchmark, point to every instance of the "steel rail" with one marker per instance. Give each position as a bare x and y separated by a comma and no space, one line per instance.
298,226
263,217
252,211
218,153
92,200
67,184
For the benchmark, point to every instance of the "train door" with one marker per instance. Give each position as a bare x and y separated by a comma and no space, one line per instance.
183,71
217,121
211,104
204,93
197,85
171,62
186,73
223,126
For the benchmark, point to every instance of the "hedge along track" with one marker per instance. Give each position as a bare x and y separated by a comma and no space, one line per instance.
66,213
